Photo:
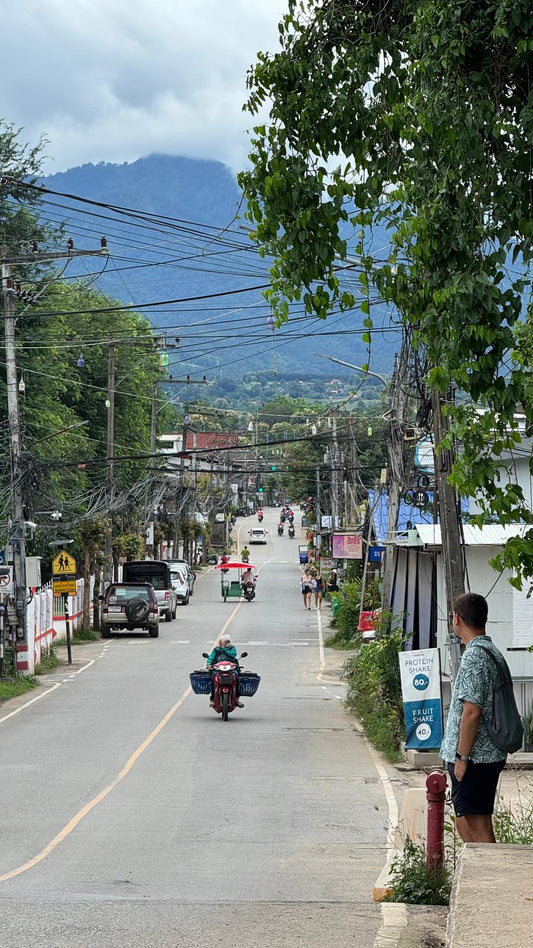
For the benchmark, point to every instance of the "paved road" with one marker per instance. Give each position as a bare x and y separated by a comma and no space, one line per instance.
133,816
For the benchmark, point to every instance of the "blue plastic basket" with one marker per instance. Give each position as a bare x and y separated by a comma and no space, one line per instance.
201,682
248,684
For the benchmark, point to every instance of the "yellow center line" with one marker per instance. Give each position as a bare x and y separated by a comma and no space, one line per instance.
78,817
76,820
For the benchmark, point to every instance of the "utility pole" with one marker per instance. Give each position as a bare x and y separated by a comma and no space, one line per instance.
19,545
396,481
450,526
110,450
9,293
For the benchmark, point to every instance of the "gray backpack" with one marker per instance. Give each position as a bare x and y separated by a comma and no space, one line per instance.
505,727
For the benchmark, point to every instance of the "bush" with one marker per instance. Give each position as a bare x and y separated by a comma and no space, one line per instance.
416,883
346,623
375,694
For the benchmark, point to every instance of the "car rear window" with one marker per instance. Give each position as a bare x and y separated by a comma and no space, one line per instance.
176,577
124,593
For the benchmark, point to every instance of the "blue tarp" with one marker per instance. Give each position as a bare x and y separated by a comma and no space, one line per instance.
408,517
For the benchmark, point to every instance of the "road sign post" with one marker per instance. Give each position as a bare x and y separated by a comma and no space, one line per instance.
67,628
64,566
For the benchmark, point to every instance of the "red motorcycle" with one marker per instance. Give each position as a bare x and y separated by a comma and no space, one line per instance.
225,680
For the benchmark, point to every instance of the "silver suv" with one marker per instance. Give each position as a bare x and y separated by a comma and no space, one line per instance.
129,606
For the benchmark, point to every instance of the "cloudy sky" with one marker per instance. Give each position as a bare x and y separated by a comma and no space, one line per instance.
114,80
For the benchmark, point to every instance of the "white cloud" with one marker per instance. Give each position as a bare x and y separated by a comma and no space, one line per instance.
116,80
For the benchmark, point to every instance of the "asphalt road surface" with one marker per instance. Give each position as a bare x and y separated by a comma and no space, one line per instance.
132,815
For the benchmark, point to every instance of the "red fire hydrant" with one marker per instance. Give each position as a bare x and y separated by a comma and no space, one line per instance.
436,792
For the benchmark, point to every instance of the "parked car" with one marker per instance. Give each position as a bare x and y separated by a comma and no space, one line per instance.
180,585
212,559
186,568
157,573
129,606
257,535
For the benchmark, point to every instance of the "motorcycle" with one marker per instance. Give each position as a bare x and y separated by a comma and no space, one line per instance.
260,518
291,531
225,678
248,591
280,529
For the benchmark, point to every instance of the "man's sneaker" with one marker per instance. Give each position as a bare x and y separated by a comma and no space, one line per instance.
211,703
239,704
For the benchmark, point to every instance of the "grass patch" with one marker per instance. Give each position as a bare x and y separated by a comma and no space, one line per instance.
48,662
339,641
515,825
13,687
79,637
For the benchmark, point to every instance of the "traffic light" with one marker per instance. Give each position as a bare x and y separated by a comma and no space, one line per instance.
259,490
272,467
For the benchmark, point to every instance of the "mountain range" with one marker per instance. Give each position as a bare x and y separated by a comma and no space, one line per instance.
179,253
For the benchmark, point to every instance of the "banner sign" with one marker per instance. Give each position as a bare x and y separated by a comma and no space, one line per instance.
374,553
422,701
347,546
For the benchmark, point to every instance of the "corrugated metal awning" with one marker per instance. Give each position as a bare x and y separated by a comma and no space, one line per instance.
492,534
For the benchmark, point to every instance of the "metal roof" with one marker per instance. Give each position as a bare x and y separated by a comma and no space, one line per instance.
492,534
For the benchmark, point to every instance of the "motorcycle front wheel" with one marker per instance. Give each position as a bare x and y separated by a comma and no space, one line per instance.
224,705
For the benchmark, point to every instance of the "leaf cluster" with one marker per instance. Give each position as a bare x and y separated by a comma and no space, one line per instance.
427,113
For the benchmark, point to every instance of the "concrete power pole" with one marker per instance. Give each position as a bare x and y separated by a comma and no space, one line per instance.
110,450
450,526
396,481
19,535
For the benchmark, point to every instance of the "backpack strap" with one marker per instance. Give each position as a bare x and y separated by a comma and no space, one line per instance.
503,670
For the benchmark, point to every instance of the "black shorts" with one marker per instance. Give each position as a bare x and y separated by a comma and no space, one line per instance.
476,792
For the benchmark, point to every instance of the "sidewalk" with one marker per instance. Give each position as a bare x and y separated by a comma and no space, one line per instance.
492,896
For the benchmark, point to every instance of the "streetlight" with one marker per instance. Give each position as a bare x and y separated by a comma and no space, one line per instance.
358,368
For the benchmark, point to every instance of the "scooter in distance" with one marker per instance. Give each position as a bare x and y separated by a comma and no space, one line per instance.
291,531
248,590
280,529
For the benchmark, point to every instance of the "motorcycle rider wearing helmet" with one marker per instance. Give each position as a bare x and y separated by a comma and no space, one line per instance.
223,649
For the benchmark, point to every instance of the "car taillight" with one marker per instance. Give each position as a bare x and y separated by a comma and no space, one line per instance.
167,594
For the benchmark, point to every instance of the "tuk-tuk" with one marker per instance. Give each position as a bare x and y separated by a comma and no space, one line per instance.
231,588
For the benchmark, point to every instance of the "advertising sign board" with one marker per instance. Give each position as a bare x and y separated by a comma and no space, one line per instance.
347,546
422,701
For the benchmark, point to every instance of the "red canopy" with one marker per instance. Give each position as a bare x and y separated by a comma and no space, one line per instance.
234,566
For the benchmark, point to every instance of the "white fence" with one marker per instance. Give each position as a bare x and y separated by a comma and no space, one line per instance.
45,621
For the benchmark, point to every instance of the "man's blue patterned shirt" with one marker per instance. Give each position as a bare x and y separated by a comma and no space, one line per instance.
475,682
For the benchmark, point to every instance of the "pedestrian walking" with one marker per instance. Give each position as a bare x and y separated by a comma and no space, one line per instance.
474,762
307,589
318,589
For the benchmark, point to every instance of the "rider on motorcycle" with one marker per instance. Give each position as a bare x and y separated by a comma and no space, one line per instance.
247,577
221,651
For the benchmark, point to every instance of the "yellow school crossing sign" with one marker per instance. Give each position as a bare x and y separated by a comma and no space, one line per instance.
63,564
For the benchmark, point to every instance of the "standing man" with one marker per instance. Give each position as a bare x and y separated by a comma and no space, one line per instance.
474,762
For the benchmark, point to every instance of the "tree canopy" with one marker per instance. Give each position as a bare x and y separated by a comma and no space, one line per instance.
416,118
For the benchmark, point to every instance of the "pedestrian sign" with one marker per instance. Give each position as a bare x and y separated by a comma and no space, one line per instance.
63,564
